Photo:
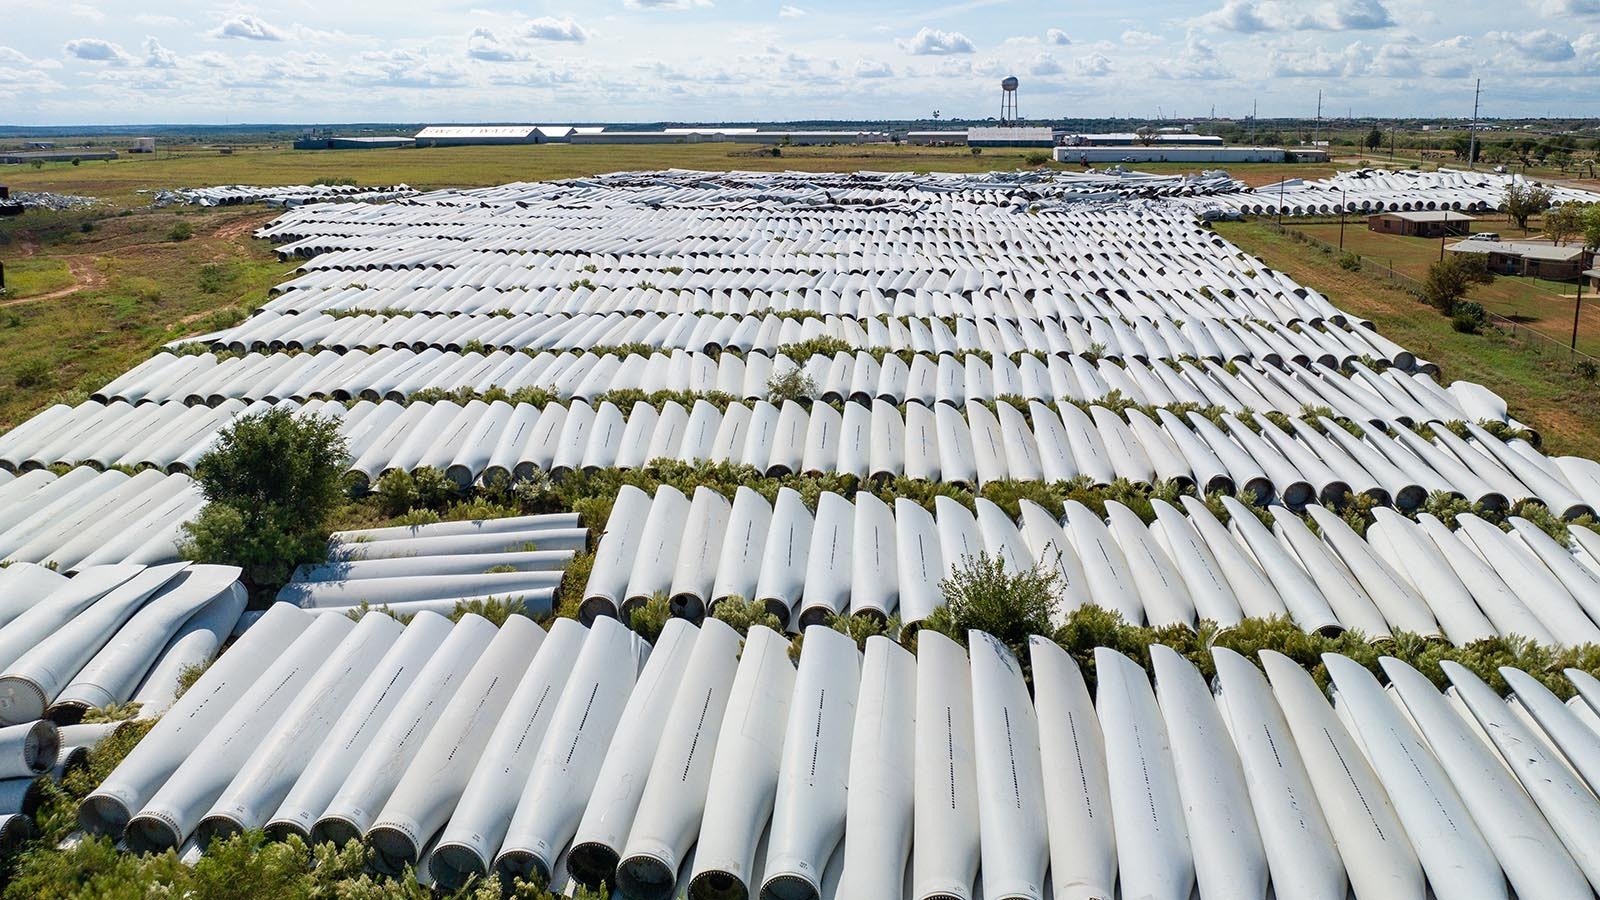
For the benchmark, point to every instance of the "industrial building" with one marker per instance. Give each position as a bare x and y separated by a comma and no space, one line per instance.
331,142
729,136
1527,258
1011,136
23,157
1427,223
1163,139
936,138
1138,153
476,135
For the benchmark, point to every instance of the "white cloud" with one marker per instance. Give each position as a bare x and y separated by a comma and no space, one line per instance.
157,56
85,11
484,44
1252,16
1313,63
1045,64
933,42
95,50
548,28
873,69
1570,7
1057,37
248,28
1141,39
1092,66
790,12
1198,61
1543,45
665,4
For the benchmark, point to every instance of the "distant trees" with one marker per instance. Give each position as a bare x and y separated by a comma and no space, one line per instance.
1449,278
1525,200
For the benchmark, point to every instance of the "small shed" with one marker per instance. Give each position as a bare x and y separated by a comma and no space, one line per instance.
1431,223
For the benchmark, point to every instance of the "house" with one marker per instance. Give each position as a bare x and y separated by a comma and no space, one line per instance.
1527,258
1422,223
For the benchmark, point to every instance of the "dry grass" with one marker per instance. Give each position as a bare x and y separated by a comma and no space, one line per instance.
118,180
134,290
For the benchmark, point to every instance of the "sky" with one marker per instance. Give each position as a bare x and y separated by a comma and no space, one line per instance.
329,61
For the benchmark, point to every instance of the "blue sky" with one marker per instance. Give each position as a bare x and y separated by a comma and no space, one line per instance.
81,61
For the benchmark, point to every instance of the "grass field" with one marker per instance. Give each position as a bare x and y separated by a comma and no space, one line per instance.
1542,389
90,305
438,167
1543,306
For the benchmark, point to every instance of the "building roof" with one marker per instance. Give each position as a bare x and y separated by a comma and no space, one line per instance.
1523,249
1012,133
476,131
373,139
555,130
1428,215
1130,137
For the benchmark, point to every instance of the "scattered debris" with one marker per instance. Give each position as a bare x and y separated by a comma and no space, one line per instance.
285,196
46,200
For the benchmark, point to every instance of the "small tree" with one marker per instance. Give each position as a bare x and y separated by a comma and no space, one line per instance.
1524,200
1449,278
1591,227
1374,139
271,483
1564,221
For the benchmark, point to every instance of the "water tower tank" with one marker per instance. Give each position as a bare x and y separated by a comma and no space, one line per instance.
1009,84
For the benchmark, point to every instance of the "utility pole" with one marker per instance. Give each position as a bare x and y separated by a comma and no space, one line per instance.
1575,310
1391,143
1472,145
1316,130
1252,122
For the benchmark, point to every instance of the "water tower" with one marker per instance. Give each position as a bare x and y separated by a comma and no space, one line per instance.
1008,101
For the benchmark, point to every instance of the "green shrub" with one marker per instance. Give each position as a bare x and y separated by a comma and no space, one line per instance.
742,615
800,351
648,619
495,609
427,489
180,231
214,277
271,483
1036,158
986,594
791,384
1467,317
33,373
